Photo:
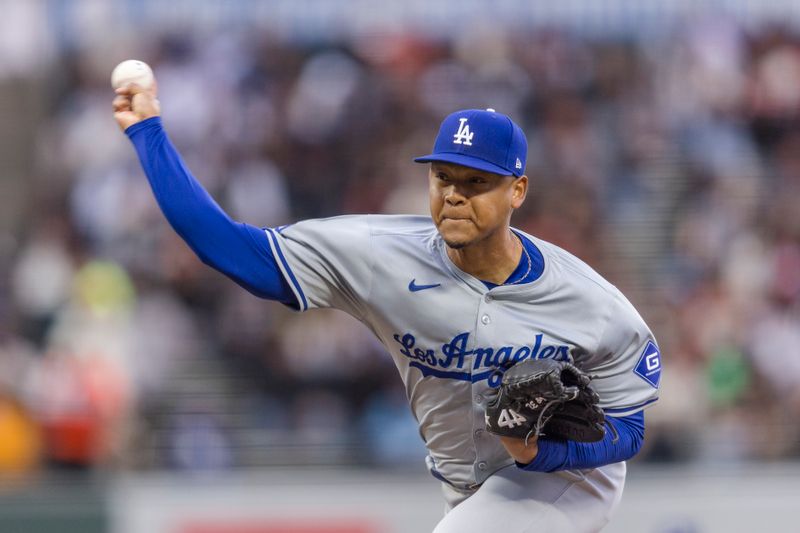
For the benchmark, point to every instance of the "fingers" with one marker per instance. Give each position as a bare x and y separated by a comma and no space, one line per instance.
130,90
125,90
121,103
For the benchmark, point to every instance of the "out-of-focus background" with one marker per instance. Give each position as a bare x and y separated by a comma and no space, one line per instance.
141,391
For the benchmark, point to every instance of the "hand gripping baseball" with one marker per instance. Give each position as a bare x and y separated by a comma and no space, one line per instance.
533,392
134,103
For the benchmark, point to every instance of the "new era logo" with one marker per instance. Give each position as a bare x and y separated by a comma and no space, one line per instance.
518,164
649,366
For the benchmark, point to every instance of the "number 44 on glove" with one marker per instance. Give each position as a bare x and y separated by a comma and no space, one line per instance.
545,397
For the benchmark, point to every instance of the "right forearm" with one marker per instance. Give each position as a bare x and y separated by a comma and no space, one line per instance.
240,251
184,202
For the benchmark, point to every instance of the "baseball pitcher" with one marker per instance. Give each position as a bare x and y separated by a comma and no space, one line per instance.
527,372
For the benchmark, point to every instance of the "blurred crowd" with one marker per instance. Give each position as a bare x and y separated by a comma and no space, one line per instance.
672,166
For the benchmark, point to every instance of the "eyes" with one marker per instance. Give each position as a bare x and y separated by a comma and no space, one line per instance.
472,180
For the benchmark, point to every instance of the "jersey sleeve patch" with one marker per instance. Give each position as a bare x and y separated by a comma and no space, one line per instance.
649,366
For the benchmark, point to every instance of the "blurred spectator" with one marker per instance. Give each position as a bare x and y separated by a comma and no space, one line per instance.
20,446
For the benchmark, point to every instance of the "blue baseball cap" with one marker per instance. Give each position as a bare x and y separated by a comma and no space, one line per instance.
481,139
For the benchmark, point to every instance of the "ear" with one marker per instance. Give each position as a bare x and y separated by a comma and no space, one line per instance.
519,190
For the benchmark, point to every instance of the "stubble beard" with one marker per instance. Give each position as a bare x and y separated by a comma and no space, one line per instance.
460,242
455,245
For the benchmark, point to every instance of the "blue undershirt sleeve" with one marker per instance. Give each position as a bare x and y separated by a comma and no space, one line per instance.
556,454
240,251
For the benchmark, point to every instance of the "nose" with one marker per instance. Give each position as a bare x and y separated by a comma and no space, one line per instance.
452,196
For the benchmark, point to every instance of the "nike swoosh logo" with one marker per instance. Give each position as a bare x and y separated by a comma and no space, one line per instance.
413,287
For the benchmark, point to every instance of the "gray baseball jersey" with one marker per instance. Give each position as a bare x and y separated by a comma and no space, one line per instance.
449,334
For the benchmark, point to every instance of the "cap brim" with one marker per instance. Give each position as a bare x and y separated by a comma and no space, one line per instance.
465,161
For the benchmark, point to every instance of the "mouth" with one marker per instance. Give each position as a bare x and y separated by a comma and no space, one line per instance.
450,217
452,220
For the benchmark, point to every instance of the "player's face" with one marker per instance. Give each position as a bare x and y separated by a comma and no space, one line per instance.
469,205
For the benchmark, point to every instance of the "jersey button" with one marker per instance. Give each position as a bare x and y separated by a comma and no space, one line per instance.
485,319
488,298
482,465
478,399
478,433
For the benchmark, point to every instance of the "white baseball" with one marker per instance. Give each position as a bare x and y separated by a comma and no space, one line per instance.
132,71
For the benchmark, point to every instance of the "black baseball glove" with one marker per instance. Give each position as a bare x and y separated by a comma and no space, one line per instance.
546,397
581,419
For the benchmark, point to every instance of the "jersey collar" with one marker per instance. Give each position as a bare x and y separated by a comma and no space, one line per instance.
539,269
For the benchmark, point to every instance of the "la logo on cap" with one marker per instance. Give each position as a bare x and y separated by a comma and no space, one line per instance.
463,135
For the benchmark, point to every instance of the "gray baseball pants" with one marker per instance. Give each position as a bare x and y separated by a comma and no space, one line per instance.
515,501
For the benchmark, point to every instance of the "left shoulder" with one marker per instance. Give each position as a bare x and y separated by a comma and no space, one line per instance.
569,269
